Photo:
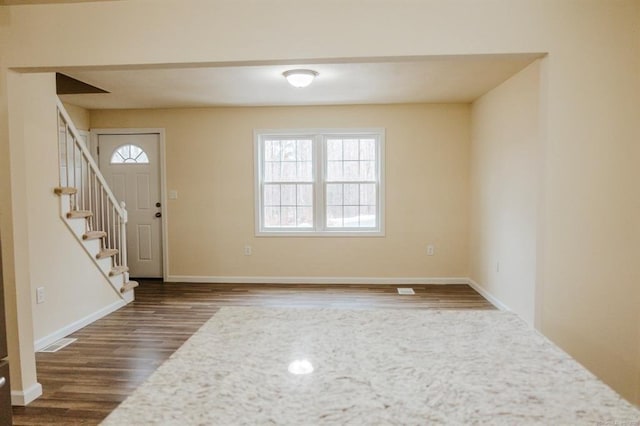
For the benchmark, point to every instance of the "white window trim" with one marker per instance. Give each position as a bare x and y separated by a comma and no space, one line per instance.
319,185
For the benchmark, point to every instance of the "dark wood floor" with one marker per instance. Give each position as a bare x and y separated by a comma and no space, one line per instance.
85,381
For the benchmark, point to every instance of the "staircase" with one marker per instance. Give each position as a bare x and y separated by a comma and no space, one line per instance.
90,209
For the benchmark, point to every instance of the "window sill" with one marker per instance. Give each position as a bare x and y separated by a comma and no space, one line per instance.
321,234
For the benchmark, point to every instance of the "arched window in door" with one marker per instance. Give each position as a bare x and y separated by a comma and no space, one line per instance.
129,154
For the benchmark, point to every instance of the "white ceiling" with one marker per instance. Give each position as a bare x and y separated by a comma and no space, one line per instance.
402,80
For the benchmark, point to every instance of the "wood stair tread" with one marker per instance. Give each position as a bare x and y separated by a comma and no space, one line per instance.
118,270
107,253
128,286
78,214
94,235
66,190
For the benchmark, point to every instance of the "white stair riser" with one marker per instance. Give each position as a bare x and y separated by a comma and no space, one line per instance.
129,296
117,281
105,265
65,204
79,226
92,246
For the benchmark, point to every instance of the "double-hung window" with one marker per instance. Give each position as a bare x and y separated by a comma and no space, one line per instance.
319,182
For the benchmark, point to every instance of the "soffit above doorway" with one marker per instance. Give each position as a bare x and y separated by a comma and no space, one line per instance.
439,79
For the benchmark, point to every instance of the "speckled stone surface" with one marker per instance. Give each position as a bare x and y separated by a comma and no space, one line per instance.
397,367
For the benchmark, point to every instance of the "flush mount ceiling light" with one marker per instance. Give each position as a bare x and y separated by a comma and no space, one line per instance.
300,78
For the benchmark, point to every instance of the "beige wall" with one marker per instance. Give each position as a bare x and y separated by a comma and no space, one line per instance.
589,292
61,265
590,207
80,116
210,163
505,181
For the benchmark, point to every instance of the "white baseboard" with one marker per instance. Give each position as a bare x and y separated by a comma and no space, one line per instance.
341,280
77,325
487,295
22,398
315,280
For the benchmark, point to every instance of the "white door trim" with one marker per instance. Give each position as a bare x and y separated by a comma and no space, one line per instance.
163,184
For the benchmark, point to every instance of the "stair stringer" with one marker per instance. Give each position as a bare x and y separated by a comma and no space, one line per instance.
78,226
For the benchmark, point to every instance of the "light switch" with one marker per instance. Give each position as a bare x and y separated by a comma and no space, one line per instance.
173,194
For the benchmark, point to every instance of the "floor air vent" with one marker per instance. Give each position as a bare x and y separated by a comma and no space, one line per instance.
56,346
405,291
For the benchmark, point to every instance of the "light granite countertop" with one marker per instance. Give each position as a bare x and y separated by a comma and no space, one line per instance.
396,367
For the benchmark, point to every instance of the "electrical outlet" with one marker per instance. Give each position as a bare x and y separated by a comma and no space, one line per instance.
247,250
430,250
40,295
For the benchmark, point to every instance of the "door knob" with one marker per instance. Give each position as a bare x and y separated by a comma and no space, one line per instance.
2,381
158,214
158,204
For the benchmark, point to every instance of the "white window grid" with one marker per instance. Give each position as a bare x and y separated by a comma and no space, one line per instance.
294,205
319,179
350,182
129,154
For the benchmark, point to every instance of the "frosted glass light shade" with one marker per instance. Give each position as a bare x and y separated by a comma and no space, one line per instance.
300,78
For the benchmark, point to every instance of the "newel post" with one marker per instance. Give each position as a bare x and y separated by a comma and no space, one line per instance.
123,238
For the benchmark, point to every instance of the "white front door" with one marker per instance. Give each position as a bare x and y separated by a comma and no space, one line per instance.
131,165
